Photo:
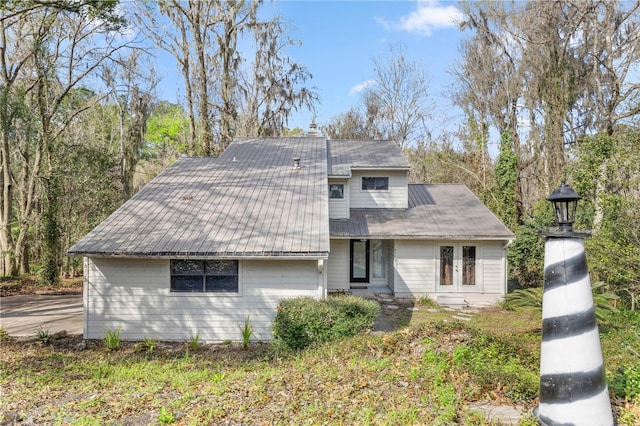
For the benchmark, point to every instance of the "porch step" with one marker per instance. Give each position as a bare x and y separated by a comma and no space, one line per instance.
452,300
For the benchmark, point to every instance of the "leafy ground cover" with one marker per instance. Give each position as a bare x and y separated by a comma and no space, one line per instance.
28,284
429,371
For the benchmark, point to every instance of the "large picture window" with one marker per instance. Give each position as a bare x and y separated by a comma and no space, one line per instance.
375,183
213,276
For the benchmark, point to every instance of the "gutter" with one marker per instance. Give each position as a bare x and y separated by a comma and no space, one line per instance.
231,256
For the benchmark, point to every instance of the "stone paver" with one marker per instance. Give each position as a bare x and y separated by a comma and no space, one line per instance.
505,414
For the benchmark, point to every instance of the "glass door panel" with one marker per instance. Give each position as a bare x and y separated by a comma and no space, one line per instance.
378,259
446,265
468,265
359,264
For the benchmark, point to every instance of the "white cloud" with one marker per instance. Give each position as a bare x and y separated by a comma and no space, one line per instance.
361,86
429,15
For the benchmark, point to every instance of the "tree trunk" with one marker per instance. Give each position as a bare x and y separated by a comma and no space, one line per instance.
9,265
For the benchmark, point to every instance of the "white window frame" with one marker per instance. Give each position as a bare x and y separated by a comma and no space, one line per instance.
336,198
363,189
207,293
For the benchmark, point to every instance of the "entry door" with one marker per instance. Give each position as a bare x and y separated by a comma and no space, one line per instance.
359,261
457,267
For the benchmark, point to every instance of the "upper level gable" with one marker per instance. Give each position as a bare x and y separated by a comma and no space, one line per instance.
347,155
366,174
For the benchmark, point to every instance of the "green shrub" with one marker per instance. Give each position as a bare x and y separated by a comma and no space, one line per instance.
303,321
626,383
533,297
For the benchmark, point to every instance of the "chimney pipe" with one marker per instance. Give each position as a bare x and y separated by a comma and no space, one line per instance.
296,163
313,130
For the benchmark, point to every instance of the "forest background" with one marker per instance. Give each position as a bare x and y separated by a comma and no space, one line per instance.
556,84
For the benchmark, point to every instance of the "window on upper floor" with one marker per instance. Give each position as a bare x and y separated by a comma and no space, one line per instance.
213,276
376,183
336,191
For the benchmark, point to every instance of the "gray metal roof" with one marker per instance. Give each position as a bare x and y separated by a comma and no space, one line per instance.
345,155
447,211
248,202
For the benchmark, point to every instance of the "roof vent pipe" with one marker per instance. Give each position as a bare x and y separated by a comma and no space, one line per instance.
296,163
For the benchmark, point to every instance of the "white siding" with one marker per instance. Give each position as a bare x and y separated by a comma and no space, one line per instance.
414,268
339,208
338,266
391,269
134,295
493,273
396,197
416,271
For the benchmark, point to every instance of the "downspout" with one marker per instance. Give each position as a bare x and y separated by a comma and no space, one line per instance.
85,297
322,288
506,266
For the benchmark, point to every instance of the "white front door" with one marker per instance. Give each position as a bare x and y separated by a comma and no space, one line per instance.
457,267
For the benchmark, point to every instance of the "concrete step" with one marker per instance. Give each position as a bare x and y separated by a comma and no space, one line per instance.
452,300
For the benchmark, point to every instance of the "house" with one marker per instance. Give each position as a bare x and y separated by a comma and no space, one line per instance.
211,242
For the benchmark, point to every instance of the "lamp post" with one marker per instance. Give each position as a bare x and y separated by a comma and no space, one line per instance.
573,389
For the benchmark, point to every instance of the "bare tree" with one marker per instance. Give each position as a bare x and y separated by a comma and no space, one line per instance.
350,125
399,103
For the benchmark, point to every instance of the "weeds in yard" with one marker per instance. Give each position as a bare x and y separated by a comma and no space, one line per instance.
44,334
150,344
426,373
217,377
194,342
498,361
165,417
247,332
4,335
112,339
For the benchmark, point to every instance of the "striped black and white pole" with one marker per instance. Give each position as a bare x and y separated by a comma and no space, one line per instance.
573,390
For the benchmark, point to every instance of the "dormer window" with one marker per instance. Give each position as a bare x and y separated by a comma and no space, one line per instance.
376,183
336,191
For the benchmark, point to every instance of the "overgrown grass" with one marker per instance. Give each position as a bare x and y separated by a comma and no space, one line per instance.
426,373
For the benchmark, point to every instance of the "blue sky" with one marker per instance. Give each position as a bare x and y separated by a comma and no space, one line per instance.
339,40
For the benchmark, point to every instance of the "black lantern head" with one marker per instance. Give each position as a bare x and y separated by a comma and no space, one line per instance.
565,202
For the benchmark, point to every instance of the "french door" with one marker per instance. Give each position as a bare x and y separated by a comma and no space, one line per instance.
457,267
